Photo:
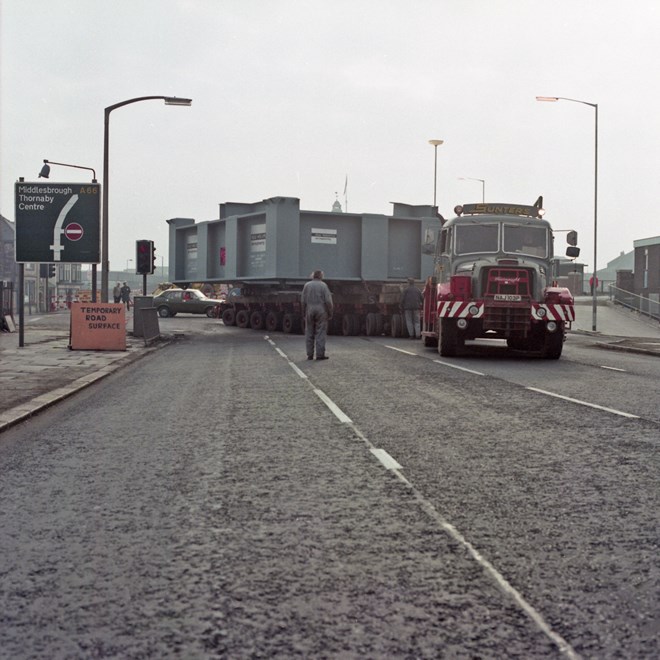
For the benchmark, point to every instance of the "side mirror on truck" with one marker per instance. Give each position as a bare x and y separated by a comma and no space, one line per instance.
572,252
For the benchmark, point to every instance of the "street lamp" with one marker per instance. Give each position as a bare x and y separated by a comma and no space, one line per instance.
105,263
436,144
45,170
45,174
483,185
553,99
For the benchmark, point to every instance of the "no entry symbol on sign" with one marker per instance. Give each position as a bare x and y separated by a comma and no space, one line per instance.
73,231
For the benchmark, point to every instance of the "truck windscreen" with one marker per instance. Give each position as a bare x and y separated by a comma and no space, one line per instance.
477,238
523,239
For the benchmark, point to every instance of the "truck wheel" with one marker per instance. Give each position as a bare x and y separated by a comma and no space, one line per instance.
243,318
448,343
430,342
273,321
257,320
554,343
229,317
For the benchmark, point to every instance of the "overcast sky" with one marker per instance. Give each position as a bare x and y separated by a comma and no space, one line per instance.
290,97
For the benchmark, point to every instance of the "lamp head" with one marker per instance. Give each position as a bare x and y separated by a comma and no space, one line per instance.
45,171
174,100
436,143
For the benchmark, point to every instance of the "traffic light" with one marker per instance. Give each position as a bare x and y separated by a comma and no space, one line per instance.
143,257
153,258
51,270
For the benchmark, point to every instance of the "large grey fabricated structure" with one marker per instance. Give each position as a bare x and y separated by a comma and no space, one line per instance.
267,250
273,239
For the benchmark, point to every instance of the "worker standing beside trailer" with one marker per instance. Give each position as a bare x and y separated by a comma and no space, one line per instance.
316,301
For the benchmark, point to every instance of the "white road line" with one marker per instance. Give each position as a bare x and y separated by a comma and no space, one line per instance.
334,408
584,403
400,350
602,366
391,464
504,584
455,366
385,459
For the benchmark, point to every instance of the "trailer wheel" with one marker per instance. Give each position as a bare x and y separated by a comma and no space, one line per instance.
229,317
273,321
243,318
371,325
396,326
257,320
350,325
449,341
289,323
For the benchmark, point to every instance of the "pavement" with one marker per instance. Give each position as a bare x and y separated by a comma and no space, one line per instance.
44,371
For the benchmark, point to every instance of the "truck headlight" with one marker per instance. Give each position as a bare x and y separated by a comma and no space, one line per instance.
541,312
552,326
462,324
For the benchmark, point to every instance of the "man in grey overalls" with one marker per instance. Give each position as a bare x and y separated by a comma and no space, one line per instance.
316,301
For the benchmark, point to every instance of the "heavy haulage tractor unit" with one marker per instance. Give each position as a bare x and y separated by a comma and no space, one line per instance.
493,278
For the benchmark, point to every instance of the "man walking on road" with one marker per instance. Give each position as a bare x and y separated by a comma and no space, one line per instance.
316,301
411,302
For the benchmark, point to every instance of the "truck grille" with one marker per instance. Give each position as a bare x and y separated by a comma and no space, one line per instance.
507,281
509,317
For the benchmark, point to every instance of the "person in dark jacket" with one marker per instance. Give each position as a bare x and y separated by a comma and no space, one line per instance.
126,295
316,301
412,302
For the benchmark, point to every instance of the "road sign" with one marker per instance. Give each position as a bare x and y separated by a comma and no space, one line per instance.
58,222
73,231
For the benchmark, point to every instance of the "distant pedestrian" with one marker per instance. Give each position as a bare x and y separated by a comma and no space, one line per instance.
126,295
317,307
412,302
116,293
593,283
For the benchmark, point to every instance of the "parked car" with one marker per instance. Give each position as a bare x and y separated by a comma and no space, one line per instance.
186,301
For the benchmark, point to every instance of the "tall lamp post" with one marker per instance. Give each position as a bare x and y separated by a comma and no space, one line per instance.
436,144
553,99
105,263
45,174
483,185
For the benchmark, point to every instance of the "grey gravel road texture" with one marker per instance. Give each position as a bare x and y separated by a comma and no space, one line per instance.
206,502
228,513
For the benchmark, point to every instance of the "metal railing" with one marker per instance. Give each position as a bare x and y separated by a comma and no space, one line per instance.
647,306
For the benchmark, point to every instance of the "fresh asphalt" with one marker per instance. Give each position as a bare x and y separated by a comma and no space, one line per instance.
44,370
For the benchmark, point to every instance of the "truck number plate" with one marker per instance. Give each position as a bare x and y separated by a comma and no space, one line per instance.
507,297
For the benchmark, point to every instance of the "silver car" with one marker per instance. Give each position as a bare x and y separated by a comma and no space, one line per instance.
185,301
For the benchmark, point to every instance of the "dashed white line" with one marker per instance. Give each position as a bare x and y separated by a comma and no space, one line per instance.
583,403
455,366
390,463
334,408
400,350
602,366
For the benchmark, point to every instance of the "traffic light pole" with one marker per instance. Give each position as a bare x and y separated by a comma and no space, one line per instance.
144,284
